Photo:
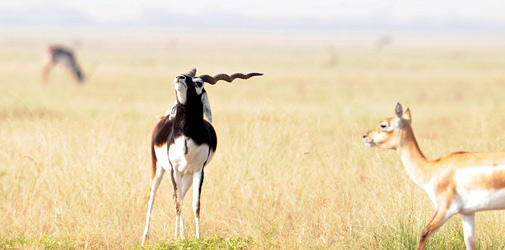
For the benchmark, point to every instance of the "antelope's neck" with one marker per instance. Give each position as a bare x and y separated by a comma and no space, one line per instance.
189,116
181,96
414,162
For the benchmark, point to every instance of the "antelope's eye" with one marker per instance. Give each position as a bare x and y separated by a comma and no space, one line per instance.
383,125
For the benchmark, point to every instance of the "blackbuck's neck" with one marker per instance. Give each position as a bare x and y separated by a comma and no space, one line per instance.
190,114
413,160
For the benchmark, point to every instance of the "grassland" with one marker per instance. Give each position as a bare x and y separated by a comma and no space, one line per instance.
290,171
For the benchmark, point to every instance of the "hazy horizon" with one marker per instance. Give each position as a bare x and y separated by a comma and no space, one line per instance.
365,15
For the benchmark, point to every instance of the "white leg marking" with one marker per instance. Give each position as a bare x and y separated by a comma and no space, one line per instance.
177,218
181,225
469,229
197,179
154,186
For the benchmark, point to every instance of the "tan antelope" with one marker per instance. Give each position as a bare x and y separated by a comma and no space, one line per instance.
59,55
459,183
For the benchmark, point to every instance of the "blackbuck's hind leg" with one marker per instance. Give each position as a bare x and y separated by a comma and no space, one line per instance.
469,229
154,186
197,190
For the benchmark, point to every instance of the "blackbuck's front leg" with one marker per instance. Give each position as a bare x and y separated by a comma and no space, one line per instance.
154,186
183,184
197,190
176,182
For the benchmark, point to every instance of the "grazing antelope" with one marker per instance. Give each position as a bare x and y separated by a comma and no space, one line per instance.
459,183
183,143
59,55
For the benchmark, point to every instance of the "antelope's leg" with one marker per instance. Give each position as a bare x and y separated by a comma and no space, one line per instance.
185,184
197,190
154,186
469,229
46,69
440,217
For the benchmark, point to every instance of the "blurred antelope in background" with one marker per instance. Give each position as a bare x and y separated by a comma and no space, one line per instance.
459,183
59,55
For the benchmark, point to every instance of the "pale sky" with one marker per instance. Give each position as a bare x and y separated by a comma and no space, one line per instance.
396,10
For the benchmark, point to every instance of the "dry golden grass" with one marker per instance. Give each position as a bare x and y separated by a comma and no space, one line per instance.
290,171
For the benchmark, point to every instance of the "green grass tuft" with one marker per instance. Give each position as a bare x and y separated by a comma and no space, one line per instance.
44,242
13,243
400,235
216,242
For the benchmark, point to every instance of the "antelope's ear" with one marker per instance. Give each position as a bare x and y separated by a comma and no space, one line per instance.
407,116
399,110
206,106
399,113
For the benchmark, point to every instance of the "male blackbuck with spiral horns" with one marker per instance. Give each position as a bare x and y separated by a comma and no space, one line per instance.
183,143
459,183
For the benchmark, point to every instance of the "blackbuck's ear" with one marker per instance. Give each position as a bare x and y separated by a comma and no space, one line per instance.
407,116
206,106
399,113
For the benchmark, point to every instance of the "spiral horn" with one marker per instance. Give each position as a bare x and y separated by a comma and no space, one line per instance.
225,77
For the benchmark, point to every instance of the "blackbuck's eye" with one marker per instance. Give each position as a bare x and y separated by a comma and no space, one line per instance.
383,125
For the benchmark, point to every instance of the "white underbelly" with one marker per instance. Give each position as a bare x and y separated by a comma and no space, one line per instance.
187,157
480,200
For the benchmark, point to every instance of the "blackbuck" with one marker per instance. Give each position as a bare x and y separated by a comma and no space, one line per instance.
459,183
183,143
58,55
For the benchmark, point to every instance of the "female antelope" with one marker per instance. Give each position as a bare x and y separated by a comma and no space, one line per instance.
459,183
